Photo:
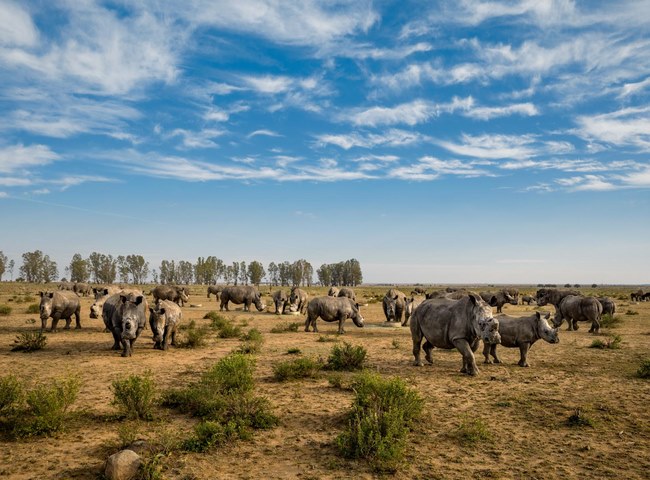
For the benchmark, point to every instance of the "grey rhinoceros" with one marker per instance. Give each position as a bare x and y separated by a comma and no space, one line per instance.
409,306
348,292
173,293
393,304
332,309
245,294
164,318
280,301
609,305
333,292
527,299
572,307
58,305
498,299
298,300
124,316
81,289
101,295
522,333
419,291
451,324
214,290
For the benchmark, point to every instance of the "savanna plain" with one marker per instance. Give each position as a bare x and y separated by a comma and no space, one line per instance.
576,412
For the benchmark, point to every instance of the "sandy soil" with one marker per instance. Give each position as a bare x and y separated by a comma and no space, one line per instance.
526,408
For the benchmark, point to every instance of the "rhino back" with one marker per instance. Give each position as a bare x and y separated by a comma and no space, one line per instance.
65,303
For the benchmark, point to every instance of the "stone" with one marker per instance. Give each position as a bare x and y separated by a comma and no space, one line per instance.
122,465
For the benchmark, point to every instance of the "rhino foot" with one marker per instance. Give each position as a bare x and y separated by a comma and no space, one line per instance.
418,363
116,347
487,361
523,364
496,360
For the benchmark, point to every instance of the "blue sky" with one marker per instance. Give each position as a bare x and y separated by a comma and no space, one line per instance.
460,141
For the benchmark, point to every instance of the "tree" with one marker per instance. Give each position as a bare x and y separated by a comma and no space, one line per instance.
185,272
154,274
256,272
103,268
78,269
324,274
167,272
3,263
243,273
11,268
235,272
38,267
229,274
137,267
274,274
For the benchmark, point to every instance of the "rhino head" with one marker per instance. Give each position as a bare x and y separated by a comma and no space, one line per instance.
391,304
545,331
258,303
356,316
408,310
158,320
96,309
46,306
488,326
130,316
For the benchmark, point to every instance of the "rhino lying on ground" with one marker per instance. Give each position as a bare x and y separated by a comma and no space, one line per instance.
58,305
280,301
453,324
393,304
245,294
572,307
333,292
409,306
214,290
348,292
164,317
522,333
298,300
332,309
172,293
527,299
609,305
498,299
124,316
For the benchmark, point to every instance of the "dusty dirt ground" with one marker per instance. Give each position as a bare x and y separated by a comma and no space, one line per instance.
526,408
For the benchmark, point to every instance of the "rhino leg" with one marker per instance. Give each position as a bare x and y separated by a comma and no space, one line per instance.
166,338
116,340
174,337
55,321
523,350
493,352
487,347
469,362
126,348
68,321
416,335
428,347
341,321
77,318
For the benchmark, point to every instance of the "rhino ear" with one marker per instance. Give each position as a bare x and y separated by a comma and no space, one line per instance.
162,311
493,301
396,297
138,299
50,294
538,315
41,294
473,299
123,298
548,315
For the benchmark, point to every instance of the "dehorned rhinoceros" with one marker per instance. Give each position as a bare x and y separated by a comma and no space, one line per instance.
572,307
333,292
393,304
332,309
409,306
124,315
609,305
245,294
298,300
178,295
214,290
453,323
101,295
81,289
522,333
498,299
58,305
348,292
164,318
527,299
280,301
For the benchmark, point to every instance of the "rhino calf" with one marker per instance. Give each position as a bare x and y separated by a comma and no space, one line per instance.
279,300
124,316
298,300
498,299
522,333
164,318
527,299
58,305
409,306
393,304
419,291
332,309
214,290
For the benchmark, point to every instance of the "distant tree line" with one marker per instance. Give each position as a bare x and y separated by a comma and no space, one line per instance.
102,268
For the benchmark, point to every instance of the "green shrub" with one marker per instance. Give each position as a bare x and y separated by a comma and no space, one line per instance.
336,380
151,468
613,343
472,431
610,321
29,342
29,298
382,413
5,310
231,374
644,369
11,395
294,351
296,368
346,357
33,308
579,419
216,319
135,396
47,407
285,327
229,330
192,336
326,338
252,341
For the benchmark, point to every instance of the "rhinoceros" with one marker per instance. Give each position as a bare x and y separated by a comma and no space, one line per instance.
214,290
333,292
498,299
164,318
332,309
124,316
609,305
645,297
100,292
573,307
393,304
418,291
348,292
58,305
66,286
280,301
527,299
409,306
453,324
522,333
82,289
173,293
245,294
637,296
513,292
298,300
101,295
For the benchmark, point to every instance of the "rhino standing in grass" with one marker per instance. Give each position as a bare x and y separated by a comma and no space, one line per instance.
280,301
179,295
66,286
333,292
58,305
418,291
453,324
298,300
527,299
513,292
637,296
409,306
498,299
101,295
124,316
522,333
393,304
348,292
214,290
332,309
82,289
609,305
572,307
245,294
164,318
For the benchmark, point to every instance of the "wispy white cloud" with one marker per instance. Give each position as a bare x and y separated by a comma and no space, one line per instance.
625,127
487,113
198,139
364,51
634,88
492,146
263,132
20,158
430,168
393,138
16,26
